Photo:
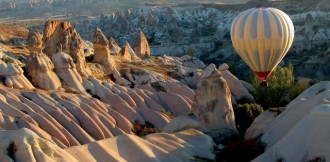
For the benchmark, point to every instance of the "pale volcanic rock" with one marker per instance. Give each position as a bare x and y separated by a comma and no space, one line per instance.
295,111
103,57
186,145
193,80
212,103
131,52
25,145
56,32
174,103
105,94
259,124
9,58
158,119
192,141
101,45
67,119
119,79
235,85
66,70
89,86
151,103
35,41
247,85
139,101
14,76
181,123
169,60
128,112
124,54
147,77
127,53
141,46
39,66
308,139
127,98
192,62
113,46
179,88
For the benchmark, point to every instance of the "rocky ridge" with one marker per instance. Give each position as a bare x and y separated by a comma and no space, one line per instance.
61,109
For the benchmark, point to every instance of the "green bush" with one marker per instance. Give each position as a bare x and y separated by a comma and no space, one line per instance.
239,150
245,114
190,52
143,130
279,83
295,90
8,60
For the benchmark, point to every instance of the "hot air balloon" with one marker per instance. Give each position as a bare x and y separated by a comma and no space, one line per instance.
262,37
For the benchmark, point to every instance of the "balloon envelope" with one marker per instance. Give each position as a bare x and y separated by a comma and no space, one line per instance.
262,37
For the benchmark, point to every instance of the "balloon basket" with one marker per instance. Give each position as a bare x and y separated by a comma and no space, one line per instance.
263,83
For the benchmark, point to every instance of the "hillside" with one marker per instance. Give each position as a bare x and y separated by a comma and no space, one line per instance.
157,81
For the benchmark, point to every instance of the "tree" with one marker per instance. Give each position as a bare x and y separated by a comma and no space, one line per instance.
245,115
190,52
279,82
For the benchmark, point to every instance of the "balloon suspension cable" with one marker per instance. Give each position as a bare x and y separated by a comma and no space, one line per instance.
264,83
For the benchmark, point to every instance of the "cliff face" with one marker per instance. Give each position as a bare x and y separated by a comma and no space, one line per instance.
57,32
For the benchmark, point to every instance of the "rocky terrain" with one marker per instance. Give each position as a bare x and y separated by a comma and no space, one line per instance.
203,30
63,101
131,91
67,99
200,29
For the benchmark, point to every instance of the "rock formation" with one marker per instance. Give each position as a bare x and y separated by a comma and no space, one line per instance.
212,104
113,46
103,57
25,145
13,76
39,66
124,54
311,145
102,53
141,46
63,32
308,113
235,85
295,111
66,70
127,53
131,51
35,43
192,62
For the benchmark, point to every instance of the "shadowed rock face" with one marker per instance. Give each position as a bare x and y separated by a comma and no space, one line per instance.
35,41
102,52
114,47
124,54
212,104
56,32
141,46
127,53
100,44
66,70
39,66
25,145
